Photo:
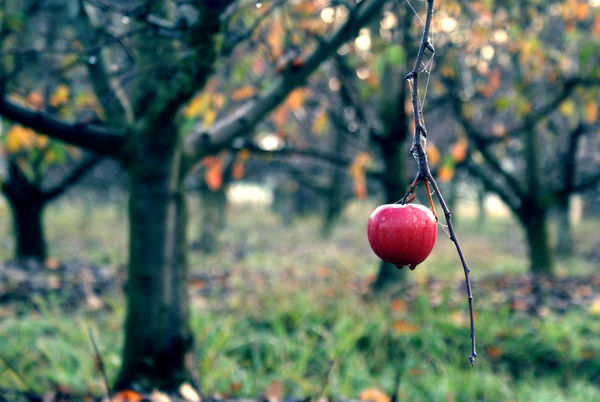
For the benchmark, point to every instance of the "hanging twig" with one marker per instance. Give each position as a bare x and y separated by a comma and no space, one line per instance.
424,173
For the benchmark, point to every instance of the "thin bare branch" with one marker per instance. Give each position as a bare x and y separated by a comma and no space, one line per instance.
424,173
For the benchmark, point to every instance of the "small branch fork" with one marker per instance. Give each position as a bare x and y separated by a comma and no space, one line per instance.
424,173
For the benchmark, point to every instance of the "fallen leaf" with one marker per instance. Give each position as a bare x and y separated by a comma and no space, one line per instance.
373,395
494,352
52,263
188,392
397,305
158,396
127,396
405,328
274,392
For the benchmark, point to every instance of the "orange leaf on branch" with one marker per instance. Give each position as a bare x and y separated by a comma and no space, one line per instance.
213,175
357,172
458,151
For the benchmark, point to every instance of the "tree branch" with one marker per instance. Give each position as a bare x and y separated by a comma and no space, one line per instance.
475,170
424,173
243,121
73,177
117,108
98,139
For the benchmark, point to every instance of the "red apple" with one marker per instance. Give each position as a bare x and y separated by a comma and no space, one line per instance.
402,234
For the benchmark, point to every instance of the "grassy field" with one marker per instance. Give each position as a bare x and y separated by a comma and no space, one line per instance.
280,304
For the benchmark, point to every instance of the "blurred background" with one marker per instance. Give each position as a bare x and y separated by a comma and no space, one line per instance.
290,121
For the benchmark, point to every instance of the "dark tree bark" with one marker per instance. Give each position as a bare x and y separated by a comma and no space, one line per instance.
158,340
27,213
27,203
534,219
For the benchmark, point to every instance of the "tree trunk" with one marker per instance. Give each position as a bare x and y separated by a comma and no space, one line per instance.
28,226
564,244
27,204
158,340
535,222
212,205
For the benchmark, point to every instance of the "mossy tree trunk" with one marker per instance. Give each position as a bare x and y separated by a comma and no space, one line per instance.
158,340
534,218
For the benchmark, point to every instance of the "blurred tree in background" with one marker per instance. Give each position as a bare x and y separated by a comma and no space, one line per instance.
144,62
524,80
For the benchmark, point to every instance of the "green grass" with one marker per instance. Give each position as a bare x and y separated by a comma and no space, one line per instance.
297,312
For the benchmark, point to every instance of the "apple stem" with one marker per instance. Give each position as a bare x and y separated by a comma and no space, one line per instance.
424,173
430,199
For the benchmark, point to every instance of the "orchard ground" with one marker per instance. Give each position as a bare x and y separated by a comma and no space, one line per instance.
281,305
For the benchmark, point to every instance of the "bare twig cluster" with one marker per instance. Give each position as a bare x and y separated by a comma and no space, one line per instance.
424,173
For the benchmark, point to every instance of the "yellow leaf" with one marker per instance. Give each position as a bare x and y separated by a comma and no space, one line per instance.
320,123
41,140
243,93
373,395
567,108
60,96
19,138
595,307
50,156
209,117
197,105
